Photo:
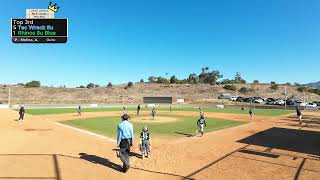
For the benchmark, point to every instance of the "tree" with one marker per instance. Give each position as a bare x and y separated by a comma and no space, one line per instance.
33,84
81,86
162,80
109,85
256,82
272,82
209,77
152,79
141,81
238,79
193,78
130,84
96,85
90,85
174,80
297,84
230,87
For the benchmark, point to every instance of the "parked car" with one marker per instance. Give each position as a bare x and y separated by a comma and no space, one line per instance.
259,101
280,102
317,103
248,100
233,98
271,101
292,102
301,103
311,105
240,99
224,96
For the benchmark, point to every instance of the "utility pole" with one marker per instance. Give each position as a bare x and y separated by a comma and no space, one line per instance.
9,97
285,93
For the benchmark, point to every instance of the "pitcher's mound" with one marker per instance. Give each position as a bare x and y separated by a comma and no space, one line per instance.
156,119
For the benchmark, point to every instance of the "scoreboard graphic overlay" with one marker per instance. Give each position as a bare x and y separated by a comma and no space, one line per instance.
39,30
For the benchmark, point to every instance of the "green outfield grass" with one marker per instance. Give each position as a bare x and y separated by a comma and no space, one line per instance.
262,112
185,126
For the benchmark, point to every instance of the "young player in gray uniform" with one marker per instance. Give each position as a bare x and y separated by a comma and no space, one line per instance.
201,124
145,142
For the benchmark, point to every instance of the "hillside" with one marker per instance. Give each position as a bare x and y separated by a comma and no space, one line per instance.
120,94
314,85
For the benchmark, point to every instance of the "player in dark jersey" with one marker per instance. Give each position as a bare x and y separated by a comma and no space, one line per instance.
21,113
153,113
299,115
145,142
138,109
79,110
251,113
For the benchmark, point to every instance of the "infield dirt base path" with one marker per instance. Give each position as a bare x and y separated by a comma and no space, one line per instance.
266,148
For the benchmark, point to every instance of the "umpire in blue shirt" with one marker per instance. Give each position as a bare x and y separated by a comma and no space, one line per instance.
124,141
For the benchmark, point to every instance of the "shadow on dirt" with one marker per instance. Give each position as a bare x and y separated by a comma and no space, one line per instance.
131,154
185,134
99,160
301,141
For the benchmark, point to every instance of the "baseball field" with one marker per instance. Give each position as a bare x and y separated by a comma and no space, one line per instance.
59,144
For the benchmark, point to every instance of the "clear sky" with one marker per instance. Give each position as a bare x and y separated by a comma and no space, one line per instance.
126,40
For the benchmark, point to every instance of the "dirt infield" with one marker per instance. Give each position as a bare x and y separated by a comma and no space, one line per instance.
266,148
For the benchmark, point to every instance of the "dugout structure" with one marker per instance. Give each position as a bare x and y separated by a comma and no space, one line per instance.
157,100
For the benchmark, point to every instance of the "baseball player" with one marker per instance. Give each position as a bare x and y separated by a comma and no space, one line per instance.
145,142
138,109
201,124
21,113
79,110
299,115
251,113
124,111
153,113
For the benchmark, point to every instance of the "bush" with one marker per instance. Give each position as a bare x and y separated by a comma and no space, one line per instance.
244,90
130,84
272,82
90,85
230,87
33,84
314,91
301,89
109,85
256,82
274,86
81,86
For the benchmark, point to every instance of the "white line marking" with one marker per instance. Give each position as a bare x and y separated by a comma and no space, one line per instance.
86,132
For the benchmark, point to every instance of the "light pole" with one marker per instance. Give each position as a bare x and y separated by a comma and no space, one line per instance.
285,93
9,96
